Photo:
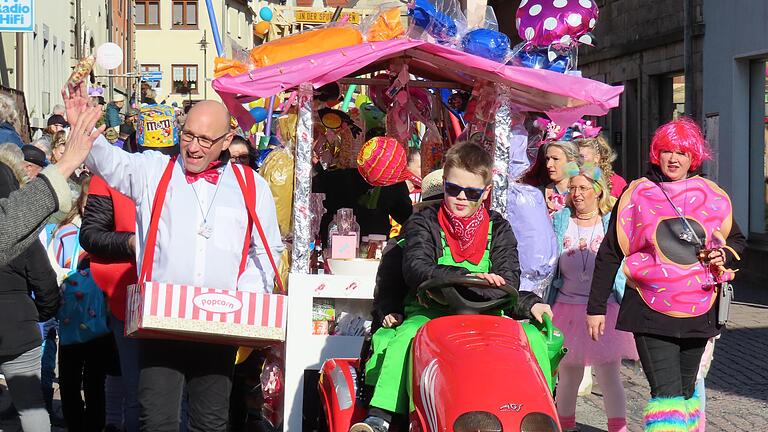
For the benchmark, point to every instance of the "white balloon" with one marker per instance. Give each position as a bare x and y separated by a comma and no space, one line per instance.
109,55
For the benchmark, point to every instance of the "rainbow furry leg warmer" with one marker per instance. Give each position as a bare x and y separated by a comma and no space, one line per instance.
695,420
663,414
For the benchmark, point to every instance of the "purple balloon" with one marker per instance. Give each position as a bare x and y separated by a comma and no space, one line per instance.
543,22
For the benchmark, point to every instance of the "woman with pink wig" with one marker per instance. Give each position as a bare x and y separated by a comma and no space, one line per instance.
673,235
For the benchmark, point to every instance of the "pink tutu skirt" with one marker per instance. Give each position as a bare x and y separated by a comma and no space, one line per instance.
614,345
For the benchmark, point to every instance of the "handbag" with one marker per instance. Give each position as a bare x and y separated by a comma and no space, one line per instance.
724,298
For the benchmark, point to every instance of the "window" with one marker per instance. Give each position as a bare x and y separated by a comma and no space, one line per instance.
151,68
184,13
185,79
148,14
758,137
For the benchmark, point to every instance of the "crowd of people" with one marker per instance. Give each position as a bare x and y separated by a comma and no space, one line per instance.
86,208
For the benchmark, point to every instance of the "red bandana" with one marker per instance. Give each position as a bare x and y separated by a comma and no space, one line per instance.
210,174
466,237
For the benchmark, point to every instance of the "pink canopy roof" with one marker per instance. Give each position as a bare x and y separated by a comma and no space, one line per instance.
563,98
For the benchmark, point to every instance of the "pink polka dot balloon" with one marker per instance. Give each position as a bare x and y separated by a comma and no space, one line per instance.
543,22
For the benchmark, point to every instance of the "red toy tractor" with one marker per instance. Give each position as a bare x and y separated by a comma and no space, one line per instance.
469,372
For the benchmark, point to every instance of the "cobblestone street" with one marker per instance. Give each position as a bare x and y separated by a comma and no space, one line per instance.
737,384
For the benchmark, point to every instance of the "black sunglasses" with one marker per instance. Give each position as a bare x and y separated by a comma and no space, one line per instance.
472,194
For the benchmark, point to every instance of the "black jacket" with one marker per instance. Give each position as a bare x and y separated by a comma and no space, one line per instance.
634,315
28,273
97,233
423,247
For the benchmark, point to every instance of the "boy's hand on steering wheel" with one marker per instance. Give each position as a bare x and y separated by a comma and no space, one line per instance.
493,279
392,320
539,310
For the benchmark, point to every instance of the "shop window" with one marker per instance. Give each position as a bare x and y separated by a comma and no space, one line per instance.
758,149
148,14
185,79
184,14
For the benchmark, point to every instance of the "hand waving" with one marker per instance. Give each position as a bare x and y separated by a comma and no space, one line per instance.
80,140
75,100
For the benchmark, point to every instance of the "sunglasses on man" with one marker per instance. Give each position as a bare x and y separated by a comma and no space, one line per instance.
472,194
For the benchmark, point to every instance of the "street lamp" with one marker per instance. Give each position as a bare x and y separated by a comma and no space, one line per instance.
204,47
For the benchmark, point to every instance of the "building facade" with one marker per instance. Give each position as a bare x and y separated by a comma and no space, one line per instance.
174,37
121,32
735,108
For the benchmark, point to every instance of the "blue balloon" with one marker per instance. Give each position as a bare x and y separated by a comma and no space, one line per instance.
265,13
486,43
259,114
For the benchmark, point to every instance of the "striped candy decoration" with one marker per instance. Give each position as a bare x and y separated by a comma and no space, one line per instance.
382,161
213,313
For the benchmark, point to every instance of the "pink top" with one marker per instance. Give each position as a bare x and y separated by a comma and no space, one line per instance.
577,261
617,185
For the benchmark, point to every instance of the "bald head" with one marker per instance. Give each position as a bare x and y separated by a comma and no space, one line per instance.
205,135
214,114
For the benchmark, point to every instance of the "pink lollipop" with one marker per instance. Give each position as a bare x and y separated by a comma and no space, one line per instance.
543,22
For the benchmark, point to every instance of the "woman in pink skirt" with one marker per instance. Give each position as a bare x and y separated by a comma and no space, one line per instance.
580,228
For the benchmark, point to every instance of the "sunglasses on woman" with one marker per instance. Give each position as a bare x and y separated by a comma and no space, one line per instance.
472,194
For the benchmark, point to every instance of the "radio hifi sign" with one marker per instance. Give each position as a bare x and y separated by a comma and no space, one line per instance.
323,17
17,15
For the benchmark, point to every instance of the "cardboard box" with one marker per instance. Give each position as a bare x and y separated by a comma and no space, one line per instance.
162,310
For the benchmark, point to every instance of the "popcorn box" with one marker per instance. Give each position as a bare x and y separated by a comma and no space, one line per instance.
163,310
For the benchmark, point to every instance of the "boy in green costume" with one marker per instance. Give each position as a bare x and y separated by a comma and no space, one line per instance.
457,237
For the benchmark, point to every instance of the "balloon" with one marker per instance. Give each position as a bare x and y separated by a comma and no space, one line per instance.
109,55
486,43
536,241
265,13
259,114
543,22
261,28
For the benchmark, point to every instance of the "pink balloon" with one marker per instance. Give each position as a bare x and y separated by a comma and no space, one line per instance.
543,22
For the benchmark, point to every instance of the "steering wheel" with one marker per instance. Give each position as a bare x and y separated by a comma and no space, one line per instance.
444,291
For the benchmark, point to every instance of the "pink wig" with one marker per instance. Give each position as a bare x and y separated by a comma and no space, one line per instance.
682,135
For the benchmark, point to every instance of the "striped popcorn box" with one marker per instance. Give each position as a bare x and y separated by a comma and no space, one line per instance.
157,309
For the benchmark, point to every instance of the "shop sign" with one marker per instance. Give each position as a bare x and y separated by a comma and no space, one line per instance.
308,16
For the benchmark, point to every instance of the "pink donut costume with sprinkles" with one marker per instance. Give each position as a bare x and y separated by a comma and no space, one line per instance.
670,282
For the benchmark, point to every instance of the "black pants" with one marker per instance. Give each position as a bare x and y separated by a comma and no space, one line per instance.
166,366
670,364
84,366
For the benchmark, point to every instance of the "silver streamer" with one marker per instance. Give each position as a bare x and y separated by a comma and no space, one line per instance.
302,214
503,132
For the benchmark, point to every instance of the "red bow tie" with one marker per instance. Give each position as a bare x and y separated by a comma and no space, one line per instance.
211,174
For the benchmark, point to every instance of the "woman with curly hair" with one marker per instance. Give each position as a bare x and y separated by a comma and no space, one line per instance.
599,152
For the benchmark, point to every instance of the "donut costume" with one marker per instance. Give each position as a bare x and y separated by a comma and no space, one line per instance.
661,253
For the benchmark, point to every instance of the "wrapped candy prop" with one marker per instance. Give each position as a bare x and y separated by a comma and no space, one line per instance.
277,170
537,245
157,127
552,31
304,44
384,25
272,383
442,20
544,22
486,43
383,161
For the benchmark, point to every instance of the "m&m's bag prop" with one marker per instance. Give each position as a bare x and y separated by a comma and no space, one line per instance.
157,127
382,161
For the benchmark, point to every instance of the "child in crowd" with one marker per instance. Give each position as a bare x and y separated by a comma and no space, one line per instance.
458,237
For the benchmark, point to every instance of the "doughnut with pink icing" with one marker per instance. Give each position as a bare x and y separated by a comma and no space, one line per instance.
661,265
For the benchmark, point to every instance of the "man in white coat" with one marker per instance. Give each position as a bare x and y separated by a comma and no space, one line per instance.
201,241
